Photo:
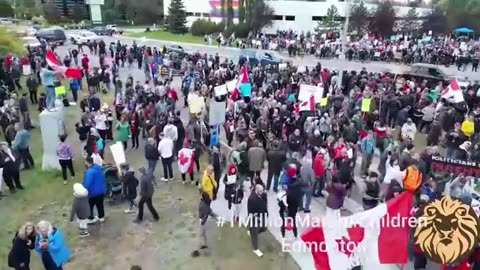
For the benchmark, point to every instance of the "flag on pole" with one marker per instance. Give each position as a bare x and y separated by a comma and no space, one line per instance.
53,62
185,159
453,94
367,238
243,83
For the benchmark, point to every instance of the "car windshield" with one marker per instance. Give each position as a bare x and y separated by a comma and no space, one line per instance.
88,34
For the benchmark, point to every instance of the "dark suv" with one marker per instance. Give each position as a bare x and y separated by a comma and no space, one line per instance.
52,35
101,31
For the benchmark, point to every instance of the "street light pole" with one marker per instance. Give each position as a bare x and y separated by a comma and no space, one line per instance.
344,38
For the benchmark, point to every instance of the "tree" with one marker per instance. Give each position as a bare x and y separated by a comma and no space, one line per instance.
222,9
51,12
78,12
260,15
139,11
436,22
359,17
410,22
177,17
10,43
461,13
331,21
383,19
230,12
6,9
241,11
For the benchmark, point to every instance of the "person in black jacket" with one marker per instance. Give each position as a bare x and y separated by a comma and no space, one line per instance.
130,184
258,211
32,85
23,242
11,169
151,155
276,158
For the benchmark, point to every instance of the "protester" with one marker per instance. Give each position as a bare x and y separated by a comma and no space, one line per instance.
94,182
80,208
151,155
208,184
165,148
65,157
22,145
146,194
51,246
130,184
23,242
257,210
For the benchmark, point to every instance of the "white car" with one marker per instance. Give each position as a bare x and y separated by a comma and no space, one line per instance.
114,28
82,37
31,41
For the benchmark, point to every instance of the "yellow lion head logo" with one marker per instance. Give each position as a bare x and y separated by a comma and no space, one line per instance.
447,230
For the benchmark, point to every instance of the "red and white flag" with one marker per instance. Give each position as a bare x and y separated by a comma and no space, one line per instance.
453,92
369,238
53,62
185,159
306,105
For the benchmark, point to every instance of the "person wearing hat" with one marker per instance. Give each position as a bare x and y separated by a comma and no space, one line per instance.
409,129
80,208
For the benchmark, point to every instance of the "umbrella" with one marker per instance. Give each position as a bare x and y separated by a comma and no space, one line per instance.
464,30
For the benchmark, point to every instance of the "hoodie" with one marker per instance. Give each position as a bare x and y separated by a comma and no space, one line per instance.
94,181
80,206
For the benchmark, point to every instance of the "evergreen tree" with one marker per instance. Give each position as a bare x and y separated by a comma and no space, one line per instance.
177,18
51,12
330,22
230,12
383,19
410,22
359,18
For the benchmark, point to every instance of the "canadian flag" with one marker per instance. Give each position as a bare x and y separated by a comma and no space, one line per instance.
306,106
185,159
369,238
53,62
453,92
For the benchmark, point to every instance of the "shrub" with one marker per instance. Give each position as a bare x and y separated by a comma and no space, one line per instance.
203,27
241,30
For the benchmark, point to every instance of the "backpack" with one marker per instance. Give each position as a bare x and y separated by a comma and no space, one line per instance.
413,178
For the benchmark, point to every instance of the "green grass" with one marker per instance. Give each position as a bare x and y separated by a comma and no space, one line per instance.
163,35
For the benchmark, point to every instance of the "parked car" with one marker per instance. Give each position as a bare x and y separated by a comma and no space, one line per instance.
82,37
114,28
175,48
52,35
31,41
263,58
101,31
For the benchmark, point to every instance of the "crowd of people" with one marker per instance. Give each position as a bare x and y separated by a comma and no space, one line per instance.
310,153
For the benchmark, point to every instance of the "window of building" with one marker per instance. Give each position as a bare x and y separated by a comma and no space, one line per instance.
206,15
189,14
316,18
197,14
289,18
277,18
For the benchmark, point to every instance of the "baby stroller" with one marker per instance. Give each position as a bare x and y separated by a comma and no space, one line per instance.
114,184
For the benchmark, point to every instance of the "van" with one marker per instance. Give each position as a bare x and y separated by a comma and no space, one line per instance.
52,35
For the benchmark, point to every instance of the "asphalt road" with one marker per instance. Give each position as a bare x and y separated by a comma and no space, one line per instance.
228,52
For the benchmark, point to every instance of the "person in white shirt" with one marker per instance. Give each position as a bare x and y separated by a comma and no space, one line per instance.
101,124
170,131
165,149
409,129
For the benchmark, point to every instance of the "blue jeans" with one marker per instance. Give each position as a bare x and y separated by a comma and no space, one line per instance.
451,152
151,166
50,97
275,176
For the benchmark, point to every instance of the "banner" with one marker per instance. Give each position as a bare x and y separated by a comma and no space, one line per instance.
455,166
220,90
306,91
217,112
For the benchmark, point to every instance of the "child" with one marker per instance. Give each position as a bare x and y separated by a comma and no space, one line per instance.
130,184
372,193
80,208
233,191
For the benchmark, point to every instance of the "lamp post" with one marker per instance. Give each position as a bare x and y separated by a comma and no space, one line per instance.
344,38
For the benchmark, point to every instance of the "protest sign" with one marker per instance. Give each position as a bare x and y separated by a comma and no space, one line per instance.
118,154
324,102
306,91
366,102
220,90
217,112
195,103
231,85
60,90
27,70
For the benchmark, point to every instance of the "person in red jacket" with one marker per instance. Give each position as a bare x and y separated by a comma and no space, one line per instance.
465,265
319,170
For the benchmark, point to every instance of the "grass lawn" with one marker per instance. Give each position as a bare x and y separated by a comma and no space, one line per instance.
166,36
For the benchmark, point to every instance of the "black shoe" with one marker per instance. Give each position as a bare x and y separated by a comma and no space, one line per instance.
137,220
156,219
306,211
316,195
13,190
21,188
204,247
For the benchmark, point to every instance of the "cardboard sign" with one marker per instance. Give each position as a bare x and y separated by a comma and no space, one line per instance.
324,102
306,91
220,90
217,112
118,154
196,103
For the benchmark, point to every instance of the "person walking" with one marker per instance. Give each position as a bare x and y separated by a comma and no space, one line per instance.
208,184
130,184
204,211
146,194
23,107
94,182
23,242
368,148
276,158
80,208
185,160
51,246
307,177
165,149
32,85
123,132
9,164
21,144
256,159
65,157
151,155
258,211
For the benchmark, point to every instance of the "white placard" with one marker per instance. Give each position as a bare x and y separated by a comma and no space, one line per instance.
282,66
118,154
220,90
196,103
217,112
231,85
377,54
306,91
27,70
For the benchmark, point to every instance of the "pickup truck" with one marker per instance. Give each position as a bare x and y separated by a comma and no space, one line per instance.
114,28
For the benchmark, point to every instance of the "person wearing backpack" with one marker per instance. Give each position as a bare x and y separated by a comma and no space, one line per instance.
413,178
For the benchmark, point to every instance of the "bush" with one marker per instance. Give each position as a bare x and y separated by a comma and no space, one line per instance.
241,30
38,20
203,27
6,9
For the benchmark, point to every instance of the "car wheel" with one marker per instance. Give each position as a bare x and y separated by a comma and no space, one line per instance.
121,33
61,43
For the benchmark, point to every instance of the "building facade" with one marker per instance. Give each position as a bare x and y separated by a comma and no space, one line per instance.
294,15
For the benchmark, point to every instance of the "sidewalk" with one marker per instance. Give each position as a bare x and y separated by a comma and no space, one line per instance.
303,259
